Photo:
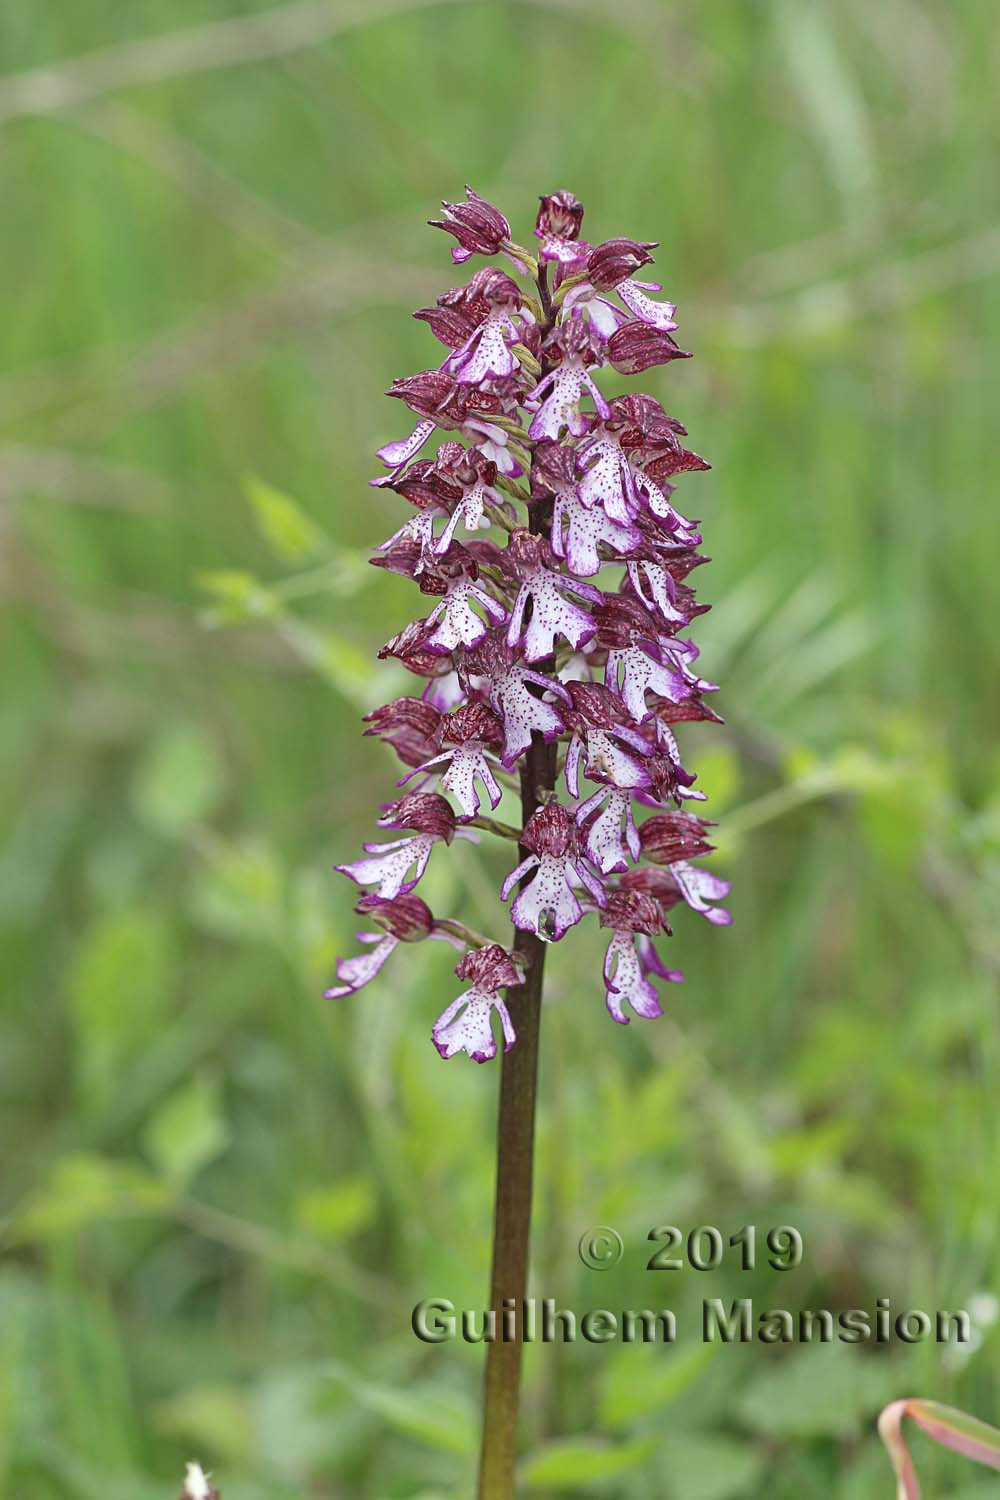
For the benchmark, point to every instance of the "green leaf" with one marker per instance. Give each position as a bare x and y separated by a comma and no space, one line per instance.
643,1380
237,597
215,1418
335,1212
241,891
709,1466
188,1131
342,663
719,775
282,522
895,820
181,780
315,940
81,1189
440,1418
300,1428
818,1391
118,995
576,1463
25,1361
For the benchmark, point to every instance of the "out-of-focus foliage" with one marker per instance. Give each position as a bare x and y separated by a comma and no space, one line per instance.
221,1196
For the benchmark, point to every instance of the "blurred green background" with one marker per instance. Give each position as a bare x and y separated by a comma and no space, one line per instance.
221,1195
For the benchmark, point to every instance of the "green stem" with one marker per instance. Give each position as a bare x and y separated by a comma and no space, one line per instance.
494,825
461,930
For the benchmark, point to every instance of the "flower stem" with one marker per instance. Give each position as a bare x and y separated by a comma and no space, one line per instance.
515,1160
516,1122
493,825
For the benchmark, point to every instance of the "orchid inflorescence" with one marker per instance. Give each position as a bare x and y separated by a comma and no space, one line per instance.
518,647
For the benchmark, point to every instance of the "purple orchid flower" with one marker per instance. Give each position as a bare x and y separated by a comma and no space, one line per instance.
455,621
607,268
468,736
634,919
609,751
577,528
403,919
523,713
473,474
656,314
432,821
558,227
465,1025
566,383
548,905
486,352
542,588
608,481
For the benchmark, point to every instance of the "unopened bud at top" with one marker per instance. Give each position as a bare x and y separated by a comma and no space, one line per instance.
479,228
559,216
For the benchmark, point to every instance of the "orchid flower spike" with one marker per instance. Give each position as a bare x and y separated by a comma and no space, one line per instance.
525,487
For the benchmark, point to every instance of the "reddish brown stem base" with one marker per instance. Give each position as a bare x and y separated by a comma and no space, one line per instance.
515,1162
